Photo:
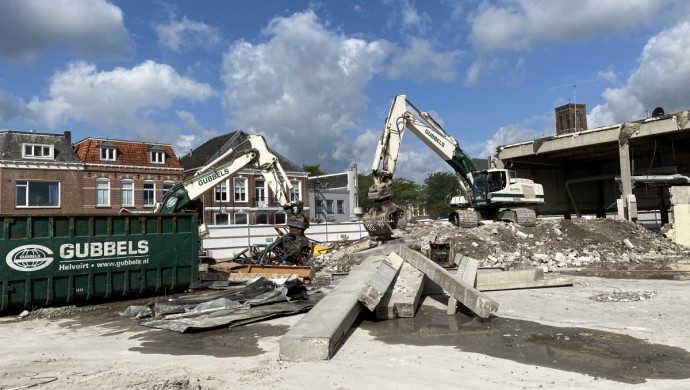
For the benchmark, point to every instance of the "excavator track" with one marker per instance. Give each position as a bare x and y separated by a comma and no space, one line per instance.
465,218
526,217
383,219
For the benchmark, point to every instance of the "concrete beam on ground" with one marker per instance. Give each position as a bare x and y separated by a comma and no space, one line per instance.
473,299
383,250
318,334
467,272
402,297
373,290
510,280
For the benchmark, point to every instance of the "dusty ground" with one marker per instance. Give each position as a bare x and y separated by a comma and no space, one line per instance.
565,338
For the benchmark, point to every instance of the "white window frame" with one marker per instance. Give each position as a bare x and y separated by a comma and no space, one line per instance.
26,184
107,154
296,193
38,151
240,191
262,215
245,216
221,218
152,192
157,157
220,192
129,191
329,206
340,205
167,186
282,216
103,194
261,192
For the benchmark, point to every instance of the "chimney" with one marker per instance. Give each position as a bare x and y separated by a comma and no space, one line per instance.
68,137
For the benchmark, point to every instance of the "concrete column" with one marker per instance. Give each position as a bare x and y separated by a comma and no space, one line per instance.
680,210
626,180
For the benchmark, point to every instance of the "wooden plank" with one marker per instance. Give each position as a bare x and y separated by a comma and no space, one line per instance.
467,272
372,292
473,299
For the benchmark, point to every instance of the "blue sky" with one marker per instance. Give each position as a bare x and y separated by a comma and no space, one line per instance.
317,77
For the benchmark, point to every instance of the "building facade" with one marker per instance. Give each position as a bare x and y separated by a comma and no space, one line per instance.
39,172
127,175
571,118
334,197
245,198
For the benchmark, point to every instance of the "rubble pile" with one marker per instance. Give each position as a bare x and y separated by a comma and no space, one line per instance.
551,245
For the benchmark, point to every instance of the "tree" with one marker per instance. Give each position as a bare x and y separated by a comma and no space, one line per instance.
313,170
405,192
364,182
437,186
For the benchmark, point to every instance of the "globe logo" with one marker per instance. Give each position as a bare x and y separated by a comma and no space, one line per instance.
28,258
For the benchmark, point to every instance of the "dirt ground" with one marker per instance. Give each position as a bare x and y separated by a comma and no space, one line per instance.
597,334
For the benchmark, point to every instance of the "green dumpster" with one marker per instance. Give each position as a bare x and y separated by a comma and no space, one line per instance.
62,259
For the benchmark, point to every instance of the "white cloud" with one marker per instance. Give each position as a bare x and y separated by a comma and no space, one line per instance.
179,35
481,68
506,135
421,62
517,25
199,133
659,80
93,28
302,88
120,99
608,75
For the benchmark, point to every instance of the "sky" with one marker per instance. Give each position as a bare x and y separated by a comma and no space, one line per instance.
317,78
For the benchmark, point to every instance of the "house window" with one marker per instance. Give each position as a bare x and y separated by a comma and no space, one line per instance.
220,218
318,206
149,192
102,192
108,154
262,219
167,186
221,192
240,218
281,218
37,151
341,207
157,157
127,193
260,193
240,189
37,193
329,206
296,190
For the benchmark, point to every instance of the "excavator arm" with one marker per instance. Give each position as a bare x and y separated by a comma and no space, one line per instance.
213,174
385,215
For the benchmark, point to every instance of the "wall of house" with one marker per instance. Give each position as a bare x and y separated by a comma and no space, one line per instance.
70,200
115,177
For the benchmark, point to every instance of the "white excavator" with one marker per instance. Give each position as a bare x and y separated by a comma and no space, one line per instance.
492,194
293,246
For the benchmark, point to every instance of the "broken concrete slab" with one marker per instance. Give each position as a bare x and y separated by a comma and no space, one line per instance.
317,335
385,250
509,280
473,299
372,292
467,272
403,296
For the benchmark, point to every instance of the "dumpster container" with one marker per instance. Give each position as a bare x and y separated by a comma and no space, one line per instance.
61,259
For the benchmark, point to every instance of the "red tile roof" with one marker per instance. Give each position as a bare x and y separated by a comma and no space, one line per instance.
128,153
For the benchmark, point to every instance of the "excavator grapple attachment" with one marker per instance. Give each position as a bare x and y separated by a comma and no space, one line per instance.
382,219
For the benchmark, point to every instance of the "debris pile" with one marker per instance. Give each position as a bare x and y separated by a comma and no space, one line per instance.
624,296
551,245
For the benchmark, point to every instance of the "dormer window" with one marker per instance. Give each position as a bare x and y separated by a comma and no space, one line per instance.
157,155
37,151
107,151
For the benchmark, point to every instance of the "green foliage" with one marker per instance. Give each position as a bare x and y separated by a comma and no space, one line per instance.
405,192
313,170
437,186
364,182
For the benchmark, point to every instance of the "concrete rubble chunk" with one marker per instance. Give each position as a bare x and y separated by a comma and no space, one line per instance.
372,292
509,280
467,272
473,299
318,334
403,296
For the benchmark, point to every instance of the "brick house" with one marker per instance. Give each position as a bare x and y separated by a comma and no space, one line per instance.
38,172
245,197
125,174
